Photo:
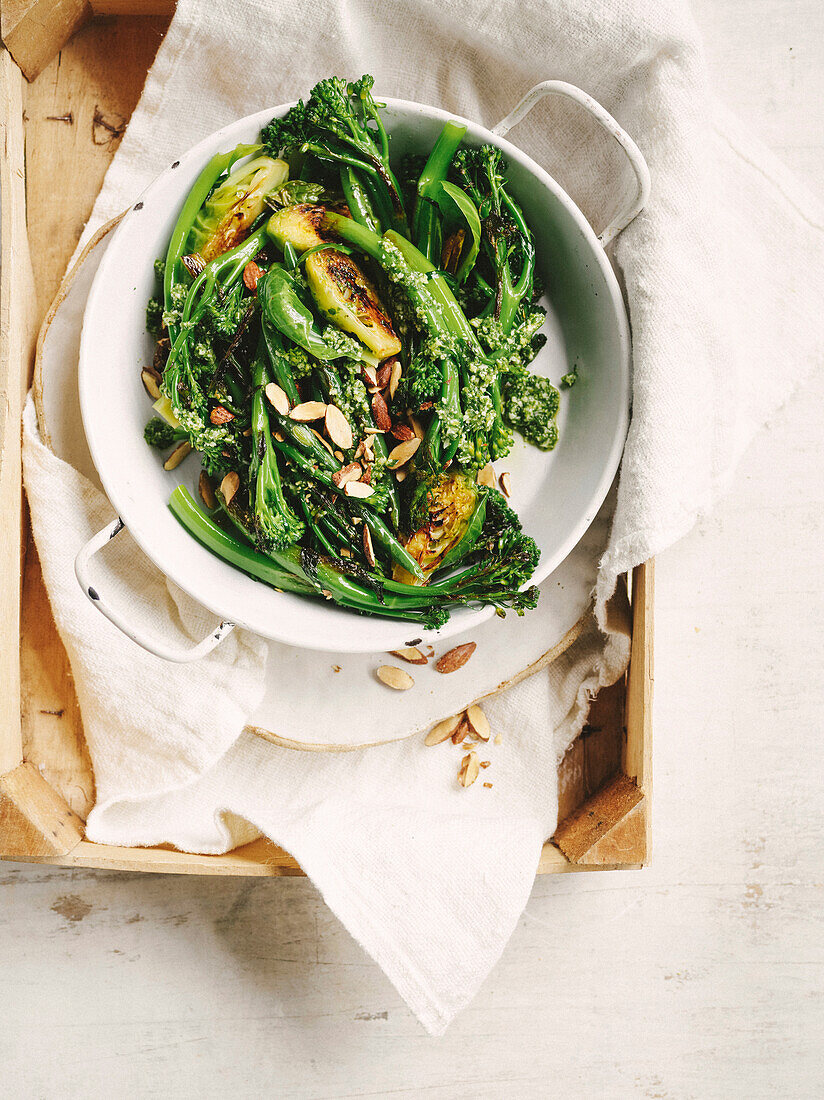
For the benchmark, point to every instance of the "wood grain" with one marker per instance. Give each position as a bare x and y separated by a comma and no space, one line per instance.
17,334
35,823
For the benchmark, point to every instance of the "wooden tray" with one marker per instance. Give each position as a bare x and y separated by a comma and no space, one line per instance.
59,134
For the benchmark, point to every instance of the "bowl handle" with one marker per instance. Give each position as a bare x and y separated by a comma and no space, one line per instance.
155,646
633,206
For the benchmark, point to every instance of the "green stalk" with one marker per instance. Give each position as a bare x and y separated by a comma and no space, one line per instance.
426,220
357,199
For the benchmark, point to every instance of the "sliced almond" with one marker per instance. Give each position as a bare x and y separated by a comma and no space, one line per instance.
308,411
400,475
417,427
486,476
498,739
371,375
459,734
395,377
367,475
280,437
368,549
151,382
380,411
411,654
358,489
352,472
177,455
325,442
220,415
402,432
442,731
401,454
488,786
504,482
338,428
384,374
373,431
207,490
251,275
455,658
478,721
229,486
485,763
345,553
395,678
277,398
468,771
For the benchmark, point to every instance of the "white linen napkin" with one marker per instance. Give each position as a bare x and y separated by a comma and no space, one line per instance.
723,275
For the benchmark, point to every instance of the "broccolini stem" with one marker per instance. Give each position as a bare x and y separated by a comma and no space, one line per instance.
426,220
357,199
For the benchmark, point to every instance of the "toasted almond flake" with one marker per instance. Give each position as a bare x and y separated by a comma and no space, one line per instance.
486,476
177,455
455,658
352,472
380,412
498,739
358,489
326,593
395,678
251,274
221,415
325,442
280,437
367,475
308,411
468,771
229,486
400,475
344,553
371,375
395,377
338,428
359,449
460,732
442,731
368,549
417,427
401,454
373,431
478,721
402,432
151,382
206,490
488,786
384,374
411,654
277,398
504,482
485,763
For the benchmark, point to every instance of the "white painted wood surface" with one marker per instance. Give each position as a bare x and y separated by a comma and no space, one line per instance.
699,977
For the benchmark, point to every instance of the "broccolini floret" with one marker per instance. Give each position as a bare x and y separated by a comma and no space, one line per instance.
160,434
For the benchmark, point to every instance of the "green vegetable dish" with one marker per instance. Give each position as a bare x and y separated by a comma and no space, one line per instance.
346,342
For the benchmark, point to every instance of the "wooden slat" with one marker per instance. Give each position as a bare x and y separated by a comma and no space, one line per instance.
33,31
581,836
35,822
640,678
17,333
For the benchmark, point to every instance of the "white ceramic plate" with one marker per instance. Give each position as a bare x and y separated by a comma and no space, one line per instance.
557,495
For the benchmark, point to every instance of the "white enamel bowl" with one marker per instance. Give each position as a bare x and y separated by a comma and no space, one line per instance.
557,495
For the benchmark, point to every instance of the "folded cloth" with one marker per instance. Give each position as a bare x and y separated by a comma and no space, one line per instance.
723,277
